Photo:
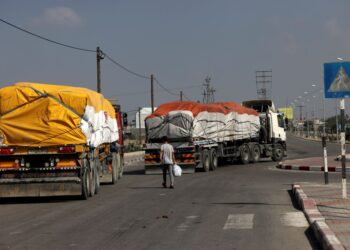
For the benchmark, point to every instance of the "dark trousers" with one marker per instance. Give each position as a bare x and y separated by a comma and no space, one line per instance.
168,168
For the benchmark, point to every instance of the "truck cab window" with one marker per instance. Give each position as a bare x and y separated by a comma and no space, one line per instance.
280,121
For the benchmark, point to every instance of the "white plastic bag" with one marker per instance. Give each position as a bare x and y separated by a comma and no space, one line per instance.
177,170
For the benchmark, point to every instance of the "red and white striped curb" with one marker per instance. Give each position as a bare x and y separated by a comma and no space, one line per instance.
322,231
308,168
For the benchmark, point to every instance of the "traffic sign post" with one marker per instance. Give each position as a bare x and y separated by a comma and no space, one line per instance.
337,85
342,142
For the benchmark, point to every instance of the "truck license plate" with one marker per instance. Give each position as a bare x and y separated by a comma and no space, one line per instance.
37,151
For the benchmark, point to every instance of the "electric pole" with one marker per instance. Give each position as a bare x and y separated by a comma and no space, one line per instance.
263,83
300,112
99,57
152,93
181,95
208,93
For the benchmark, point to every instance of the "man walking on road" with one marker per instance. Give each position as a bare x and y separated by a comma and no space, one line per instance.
167,158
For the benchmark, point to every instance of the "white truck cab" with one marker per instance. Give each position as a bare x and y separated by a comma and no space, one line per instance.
272,123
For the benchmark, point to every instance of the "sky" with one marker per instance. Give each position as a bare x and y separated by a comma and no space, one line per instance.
181,42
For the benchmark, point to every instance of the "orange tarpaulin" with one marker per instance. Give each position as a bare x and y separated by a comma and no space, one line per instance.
196,108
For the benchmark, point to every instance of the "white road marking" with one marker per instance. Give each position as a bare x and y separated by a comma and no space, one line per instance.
294,219
239,221
15,232
189,221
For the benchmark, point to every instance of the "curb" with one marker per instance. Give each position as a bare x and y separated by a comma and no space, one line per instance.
323,233
308,168
137,153
138,157
129,162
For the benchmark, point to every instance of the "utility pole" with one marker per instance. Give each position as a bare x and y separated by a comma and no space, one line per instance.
263,80
301,118
99,57
208,93
152,93
181,98
140,133
300,112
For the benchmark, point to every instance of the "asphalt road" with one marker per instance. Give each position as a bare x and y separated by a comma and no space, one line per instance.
234,207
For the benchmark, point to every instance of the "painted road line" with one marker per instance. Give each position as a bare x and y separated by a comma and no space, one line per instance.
239,221
189,221
294,219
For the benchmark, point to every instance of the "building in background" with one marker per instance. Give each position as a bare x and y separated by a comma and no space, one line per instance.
144,112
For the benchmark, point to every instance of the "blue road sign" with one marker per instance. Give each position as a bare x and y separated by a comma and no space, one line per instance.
337,80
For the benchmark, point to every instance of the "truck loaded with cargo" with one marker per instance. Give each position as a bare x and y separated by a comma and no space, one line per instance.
205,134
57,140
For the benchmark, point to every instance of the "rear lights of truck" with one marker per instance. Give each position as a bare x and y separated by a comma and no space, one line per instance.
7,151
9,164
66,149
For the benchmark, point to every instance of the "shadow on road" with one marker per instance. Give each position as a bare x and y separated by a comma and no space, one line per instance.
134,172
25,200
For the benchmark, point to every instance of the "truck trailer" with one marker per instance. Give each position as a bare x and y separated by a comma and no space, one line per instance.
205,134
57,140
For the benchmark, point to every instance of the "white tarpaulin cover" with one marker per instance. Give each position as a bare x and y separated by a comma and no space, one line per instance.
216,121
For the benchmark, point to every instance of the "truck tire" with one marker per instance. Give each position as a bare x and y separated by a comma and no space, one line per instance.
244,151
213,159
97,170
255,153
85,181
206,160
114,168
92,178
277,153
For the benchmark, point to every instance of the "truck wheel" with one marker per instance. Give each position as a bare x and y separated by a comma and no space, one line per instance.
114,168
92,178
244,154
97,170
121,167
255,153
85,181
277,153
206,160
213,159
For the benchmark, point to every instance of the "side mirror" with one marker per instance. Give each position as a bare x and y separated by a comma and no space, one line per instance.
125,119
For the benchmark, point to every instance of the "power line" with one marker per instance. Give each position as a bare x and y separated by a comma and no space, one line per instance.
73,47
167,90
188,99
46,39
125,68
87,50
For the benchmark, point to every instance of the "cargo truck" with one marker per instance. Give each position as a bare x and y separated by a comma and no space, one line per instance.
205,134
57,140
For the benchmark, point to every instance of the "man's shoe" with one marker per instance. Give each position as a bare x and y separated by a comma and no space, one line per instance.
172,186
164,185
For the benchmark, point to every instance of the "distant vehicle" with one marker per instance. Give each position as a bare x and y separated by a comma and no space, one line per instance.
204,134
57,140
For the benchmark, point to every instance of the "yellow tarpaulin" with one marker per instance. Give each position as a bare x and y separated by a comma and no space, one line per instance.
34,114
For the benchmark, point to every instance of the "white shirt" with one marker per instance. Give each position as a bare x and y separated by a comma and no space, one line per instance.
167,150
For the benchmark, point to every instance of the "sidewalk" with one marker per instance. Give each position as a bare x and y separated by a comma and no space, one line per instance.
327,212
